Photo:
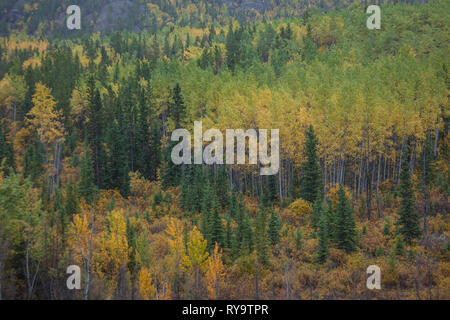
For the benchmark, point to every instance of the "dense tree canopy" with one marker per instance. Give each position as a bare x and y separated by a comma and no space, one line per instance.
86,176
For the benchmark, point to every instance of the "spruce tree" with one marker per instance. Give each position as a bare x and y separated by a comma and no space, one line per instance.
323,233
221,185
261,238
177,109
87,187
186,189
217,232
206,212
170,172
247,234
317,205
310,177
228,232
408,221
154,150
117,174
95,130
6,152
34,160
426,159
71,206
274,228
345,223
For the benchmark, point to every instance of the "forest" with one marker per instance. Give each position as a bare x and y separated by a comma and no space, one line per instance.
86,176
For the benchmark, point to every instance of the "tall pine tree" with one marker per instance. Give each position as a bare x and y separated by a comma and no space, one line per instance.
310,176
345,223
408,221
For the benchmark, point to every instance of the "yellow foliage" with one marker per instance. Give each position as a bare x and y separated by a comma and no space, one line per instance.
44,117
197,256
113,247
298,211
215,272
146,288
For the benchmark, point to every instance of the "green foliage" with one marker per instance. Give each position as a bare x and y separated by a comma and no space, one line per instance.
87,188
408,221
261,237
310,181
6,152
298,238
345,223
275,224
399,246
323,233
387,228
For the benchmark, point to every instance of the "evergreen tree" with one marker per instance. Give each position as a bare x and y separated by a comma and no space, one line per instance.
117,174
323,233
206,211
427,158
87,187
95,130
221,185
345,223
232,205
71,205
274,227
59,209
261,238
399,246
228,232
408,221
177,109
6,152
154,150
170,173
186,189
310,183
217,233
270,193
316,209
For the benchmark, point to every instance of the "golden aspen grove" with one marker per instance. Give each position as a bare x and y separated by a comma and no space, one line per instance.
87,178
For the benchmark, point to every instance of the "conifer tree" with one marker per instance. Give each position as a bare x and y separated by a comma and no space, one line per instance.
427,158
177,109
87,187
228,232
345,223
408,221
261,238
71,206
323,233
217,232
221,185
154,150
6,151
310,177
206,211
274,227
95,129
315,214
117,173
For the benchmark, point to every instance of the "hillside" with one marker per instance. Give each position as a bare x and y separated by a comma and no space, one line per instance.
87,176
